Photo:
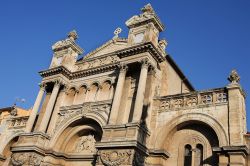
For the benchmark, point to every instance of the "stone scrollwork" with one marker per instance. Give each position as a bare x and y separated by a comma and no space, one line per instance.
19,159
116,157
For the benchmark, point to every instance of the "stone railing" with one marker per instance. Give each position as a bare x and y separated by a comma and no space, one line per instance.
193,100
18,122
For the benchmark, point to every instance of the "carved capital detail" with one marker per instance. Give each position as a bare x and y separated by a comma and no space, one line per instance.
116,157
42,85
123,68
18,159
145,63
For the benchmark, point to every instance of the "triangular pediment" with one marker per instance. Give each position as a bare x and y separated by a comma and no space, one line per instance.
108,47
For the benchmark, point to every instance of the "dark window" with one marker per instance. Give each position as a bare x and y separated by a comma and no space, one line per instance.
188,155
198,155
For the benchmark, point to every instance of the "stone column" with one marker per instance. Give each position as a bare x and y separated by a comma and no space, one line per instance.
118,95
35,109
140,91
50,106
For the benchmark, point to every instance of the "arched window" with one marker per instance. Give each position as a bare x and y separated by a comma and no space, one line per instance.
188,155
198,155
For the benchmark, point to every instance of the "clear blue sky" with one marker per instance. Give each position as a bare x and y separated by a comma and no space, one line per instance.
207,38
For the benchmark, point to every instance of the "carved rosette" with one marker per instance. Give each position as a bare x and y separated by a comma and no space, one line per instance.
116,157
19,159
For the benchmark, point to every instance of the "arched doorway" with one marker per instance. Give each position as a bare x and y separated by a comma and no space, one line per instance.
190,144
77,141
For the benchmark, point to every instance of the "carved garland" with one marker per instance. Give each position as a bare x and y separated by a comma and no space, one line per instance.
18,159
116,158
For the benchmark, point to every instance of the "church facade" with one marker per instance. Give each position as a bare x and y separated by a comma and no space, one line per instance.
127,103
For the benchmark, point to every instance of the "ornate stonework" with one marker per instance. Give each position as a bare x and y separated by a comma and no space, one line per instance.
116,157
126,103
86,144
19,159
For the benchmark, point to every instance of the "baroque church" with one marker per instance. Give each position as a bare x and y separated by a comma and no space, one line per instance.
127,103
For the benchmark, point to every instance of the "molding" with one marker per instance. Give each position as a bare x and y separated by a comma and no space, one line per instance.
141,48
159,153
243,149
78,74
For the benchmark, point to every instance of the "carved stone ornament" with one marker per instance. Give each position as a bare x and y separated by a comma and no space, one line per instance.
147,14
13,112
86,144
234,77
116,158
19,159
73,35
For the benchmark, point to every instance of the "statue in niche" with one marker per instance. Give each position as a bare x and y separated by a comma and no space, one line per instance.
86,144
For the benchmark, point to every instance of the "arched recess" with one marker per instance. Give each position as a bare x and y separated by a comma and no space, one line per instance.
93,91
198,117
192,129
69,99
79,138
5,148
106,91
81,97
97,119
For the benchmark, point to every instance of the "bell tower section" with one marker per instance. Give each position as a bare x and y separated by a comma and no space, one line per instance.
144,27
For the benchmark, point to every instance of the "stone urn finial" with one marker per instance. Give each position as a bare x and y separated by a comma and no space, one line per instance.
234,77
73,35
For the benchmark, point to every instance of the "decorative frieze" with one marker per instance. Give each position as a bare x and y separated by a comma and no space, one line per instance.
94,62
193,99
116,157
18,159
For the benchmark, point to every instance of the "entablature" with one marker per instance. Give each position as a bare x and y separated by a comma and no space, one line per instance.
156,53
78,74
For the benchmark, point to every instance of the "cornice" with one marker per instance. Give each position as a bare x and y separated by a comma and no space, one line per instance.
141,48
78,74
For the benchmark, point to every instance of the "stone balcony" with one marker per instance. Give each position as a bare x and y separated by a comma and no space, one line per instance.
197,99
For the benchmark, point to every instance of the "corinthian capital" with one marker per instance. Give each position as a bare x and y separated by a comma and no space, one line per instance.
123,67
145,63
42,85
58,82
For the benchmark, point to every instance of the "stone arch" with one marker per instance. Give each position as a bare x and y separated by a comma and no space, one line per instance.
197,117
93,91
94,116
5,148
82,94
69,99
106,90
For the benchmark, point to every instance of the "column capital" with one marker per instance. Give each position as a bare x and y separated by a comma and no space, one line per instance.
145,63
58,82
123,67
42,85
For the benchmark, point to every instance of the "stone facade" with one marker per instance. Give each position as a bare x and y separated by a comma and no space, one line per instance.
12,123
127,103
